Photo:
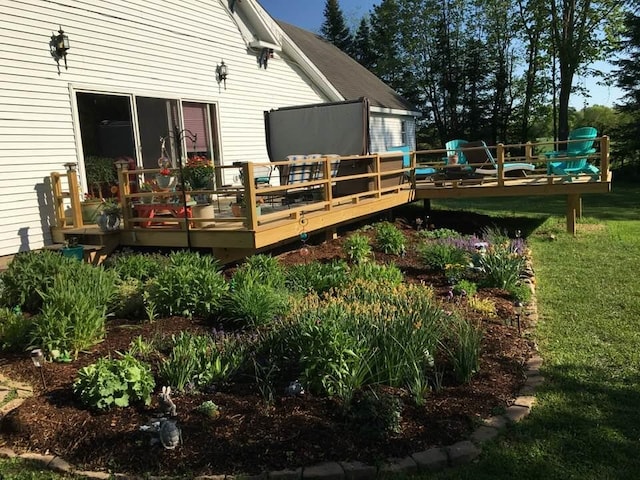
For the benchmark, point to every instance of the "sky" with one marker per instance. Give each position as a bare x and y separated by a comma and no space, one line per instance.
309,14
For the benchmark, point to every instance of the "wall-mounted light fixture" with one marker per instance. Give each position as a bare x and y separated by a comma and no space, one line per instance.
59,46
221,72
265,55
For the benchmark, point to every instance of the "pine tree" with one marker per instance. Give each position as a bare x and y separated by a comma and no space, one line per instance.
334,28
363,46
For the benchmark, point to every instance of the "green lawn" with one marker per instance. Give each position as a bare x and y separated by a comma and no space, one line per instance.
587,421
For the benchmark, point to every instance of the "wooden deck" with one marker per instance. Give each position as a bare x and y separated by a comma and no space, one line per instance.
364,186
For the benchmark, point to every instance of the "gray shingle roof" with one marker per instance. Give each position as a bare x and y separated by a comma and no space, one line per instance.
351,79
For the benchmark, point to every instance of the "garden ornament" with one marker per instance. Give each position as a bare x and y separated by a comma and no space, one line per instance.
167,407
294,389
170,434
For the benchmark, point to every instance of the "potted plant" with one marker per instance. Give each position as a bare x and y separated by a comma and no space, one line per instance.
100,172
146,187
90,207
164,178
198,173
239,208
109,219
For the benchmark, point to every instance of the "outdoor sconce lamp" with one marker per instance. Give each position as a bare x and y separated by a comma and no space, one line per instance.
60,45
221,72
70,166
37,357
518,310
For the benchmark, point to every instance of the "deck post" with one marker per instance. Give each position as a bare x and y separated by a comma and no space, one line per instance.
74,194
528,152
58,200
250,195
574,211
604,159
328,193
500,155
125,190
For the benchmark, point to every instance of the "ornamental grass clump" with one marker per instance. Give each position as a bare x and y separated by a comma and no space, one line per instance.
437,255
253,302
264,268
390,239
317,277
131,265
376,273
463,347
500,266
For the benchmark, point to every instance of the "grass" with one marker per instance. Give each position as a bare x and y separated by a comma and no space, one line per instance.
586,424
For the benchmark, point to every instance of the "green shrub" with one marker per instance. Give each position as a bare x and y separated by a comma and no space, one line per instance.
500,267
209,409
266,269
74,309
119,383
438,233
129,299
194,260
29,276
390,239
317,277
253,303
357,248
376,414
520,292
465,287
187,289
136,266
375,273
437,256
15,330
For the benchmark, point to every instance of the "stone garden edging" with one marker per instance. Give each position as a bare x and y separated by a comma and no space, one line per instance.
430,460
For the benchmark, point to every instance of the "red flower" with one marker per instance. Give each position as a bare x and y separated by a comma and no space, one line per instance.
165,171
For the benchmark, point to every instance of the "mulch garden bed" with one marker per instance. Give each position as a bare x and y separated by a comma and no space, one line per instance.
250,437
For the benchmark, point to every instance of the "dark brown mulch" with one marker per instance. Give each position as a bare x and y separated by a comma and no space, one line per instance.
250,437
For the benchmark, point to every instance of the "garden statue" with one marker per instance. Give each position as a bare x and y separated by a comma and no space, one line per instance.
294,389
167,407
170,434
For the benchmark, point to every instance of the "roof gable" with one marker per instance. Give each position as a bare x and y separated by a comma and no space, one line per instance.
351,79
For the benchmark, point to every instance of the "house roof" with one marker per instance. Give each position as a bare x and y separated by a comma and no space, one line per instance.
351,79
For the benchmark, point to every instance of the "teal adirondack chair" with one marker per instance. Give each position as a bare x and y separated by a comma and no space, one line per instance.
453,147
421,172
575,157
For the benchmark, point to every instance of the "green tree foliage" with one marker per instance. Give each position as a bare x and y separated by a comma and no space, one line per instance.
627,146
334,29
363,50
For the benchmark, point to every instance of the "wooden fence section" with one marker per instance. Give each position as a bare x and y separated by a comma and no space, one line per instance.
337,191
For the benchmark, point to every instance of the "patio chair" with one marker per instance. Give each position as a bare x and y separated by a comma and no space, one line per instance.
575,157
420,172
489,166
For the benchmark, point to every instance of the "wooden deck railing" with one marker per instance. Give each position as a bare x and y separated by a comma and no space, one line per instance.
359,179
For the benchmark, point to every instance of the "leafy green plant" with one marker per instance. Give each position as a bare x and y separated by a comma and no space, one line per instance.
317,277
500,266
357,248
29,275
465,287
190,286
264,375
74,309
376,414
118,382
437,256
390,239
129,299
141,348
14,330
463,347
197,361
454,272
138,266
266,269
375,273
439,233
483,306
520,292
253,303
209,409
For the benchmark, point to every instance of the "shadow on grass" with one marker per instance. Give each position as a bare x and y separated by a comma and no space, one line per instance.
585,427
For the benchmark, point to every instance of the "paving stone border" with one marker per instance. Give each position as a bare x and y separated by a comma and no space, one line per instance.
432,459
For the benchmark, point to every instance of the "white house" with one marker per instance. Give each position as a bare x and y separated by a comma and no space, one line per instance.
139,70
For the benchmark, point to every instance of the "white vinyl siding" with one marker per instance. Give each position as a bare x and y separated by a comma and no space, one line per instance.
385,131
156,48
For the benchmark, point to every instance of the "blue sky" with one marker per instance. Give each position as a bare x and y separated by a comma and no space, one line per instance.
309,14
